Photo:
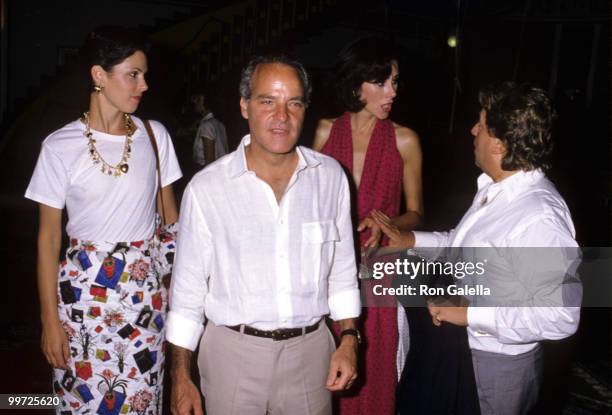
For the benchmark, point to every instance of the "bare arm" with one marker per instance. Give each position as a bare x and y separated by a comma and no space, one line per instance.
185,398
408,145
170,210
322,133
54,341
409,148
209,149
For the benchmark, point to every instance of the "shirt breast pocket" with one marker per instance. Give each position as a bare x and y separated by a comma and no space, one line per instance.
317,253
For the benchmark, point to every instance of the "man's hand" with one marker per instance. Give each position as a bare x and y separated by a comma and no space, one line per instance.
185,398
397,238
444,311
343,365
375,232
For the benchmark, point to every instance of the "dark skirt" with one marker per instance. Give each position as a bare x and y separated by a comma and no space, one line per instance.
438,377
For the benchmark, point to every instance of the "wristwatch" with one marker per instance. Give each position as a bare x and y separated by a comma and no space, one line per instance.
351,332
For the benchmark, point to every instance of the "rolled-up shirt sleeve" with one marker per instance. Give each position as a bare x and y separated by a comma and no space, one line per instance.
343,297
190,275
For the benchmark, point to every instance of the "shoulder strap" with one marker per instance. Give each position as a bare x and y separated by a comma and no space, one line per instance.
151,135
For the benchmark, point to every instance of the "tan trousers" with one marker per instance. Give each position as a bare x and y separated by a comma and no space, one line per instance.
243,374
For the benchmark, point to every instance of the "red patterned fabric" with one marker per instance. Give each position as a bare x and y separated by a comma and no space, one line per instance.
380,188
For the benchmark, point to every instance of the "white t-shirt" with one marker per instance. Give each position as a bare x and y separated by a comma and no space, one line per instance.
212,129
103,207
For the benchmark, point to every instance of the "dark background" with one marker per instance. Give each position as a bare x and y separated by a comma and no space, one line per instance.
561,45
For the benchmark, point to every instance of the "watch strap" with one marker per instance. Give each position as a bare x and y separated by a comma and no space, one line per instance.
351,332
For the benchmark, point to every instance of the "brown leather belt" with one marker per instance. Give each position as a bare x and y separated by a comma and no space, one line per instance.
276,335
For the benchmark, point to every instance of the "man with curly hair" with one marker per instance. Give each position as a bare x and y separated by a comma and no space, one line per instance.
519,215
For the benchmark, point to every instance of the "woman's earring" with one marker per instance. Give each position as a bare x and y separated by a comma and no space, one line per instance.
98,89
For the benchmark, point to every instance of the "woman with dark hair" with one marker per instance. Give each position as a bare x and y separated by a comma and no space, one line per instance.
384,159
103,313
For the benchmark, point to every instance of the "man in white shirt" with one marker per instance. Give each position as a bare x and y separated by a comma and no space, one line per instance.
518,212
210,142
265,252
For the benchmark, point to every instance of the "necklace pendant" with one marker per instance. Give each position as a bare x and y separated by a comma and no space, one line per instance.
124,168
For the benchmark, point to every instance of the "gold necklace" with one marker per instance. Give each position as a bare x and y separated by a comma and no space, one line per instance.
120,168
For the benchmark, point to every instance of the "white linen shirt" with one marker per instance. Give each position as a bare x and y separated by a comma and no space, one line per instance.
244,258
523,210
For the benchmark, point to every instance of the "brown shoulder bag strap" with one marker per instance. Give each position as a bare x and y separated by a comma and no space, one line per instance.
151,135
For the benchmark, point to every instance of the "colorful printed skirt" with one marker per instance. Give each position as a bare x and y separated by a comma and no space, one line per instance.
112,304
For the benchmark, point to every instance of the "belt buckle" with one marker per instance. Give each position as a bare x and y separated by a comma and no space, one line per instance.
277,335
